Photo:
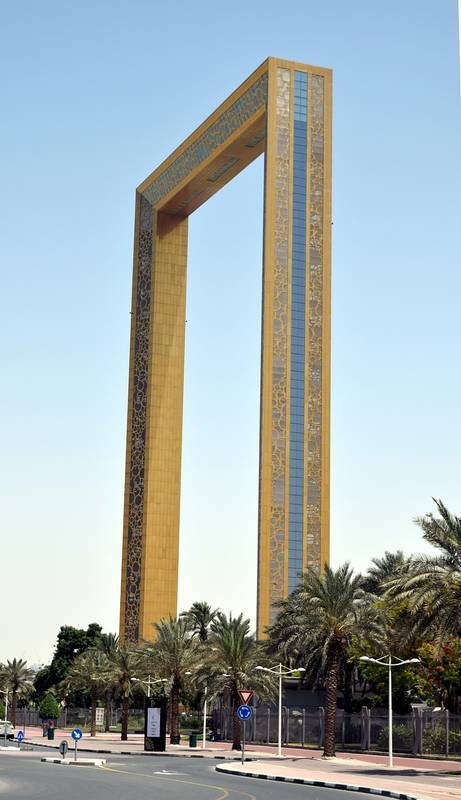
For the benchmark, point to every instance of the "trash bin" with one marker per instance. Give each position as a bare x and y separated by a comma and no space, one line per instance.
193,740
50,733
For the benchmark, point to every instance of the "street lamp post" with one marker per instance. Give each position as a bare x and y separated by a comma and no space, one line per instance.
383,662
205,696
281,672
149,683
5,692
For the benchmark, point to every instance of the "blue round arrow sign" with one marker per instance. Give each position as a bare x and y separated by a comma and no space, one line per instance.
244,712
76,734
20,736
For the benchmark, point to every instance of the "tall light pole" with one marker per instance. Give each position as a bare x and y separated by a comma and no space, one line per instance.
205,696
282,673
5,692
149,683
383,662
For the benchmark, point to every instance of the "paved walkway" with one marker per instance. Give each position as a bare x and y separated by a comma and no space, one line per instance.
429,782
111,743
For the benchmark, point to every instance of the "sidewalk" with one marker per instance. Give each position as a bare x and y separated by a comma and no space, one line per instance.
111,743
428,780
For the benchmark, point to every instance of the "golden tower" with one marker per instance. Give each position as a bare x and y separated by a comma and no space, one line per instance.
284,111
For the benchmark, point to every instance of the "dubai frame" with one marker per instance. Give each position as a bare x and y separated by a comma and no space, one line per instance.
284,111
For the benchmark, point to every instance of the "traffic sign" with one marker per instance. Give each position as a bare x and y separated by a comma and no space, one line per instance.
20,736
76,734
244,712
63,747
245,695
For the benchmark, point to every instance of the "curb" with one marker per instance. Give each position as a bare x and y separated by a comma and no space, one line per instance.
325,784
67,762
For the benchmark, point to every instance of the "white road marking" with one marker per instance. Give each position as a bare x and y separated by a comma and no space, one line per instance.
166,772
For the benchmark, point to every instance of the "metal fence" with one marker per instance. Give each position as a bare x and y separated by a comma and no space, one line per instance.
80,718
422,732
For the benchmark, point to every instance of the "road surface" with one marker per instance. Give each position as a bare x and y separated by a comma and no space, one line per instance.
25,777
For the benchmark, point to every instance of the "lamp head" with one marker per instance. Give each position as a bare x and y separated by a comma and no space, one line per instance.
364,658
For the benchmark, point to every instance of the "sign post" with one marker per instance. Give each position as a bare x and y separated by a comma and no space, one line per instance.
76,736
244,712
155,724
63,747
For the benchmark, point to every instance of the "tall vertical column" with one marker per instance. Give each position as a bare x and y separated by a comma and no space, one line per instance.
153,469
274,359
135,470
164,431
295,363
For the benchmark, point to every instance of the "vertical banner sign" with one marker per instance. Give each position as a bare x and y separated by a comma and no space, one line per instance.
100,717
155,724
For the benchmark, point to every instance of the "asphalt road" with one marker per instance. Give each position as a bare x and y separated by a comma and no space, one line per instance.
25,777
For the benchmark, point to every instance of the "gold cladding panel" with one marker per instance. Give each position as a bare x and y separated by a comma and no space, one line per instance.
257,117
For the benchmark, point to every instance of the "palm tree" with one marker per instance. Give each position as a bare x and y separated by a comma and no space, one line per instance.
317,622
124,666
383,570
232,660
175,653
17,678
431,584
199,617
91,671
108,645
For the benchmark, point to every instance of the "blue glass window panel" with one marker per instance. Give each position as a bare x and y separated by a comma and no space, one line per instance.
298,329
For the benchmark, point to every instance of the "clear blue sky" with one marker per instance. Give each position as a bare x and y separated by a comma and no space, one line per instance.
95,95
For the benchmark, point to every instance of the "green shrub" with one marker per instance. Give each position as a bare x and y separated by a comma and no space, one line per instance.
49,707
402,738
434,740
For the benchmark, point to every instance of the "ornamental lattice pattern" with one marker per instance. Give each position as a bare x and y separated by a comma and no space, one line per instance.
280,338
293,342
138,423
227,123
314,333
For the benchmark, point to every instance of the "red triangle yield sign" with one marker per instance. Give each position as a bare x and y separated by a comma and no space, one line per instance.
245,695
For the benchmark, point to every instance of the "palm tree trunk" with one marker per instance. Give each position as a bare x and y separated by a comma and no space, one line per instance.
124,736
108,710
331,686
14,703
93,712
175,737
236,729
